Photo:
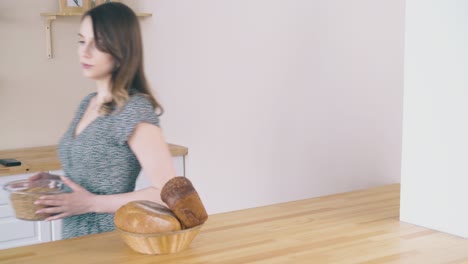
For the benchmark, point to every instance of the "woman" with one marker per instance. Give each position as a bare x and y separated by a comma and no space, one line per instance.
115,132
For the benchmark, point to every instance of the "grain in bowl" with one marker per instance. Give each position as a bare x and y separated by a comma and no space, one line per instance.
24,193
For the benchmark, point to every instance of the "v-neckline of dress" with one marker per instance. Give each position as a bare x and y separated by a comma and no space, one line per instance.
76,135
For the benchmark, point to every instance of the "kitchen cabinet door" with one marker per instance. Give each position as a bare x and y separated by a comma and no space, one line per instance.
15,232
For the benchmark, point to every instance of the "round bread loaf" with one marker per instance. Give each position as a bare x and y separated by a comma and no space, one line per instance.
146,217
182,198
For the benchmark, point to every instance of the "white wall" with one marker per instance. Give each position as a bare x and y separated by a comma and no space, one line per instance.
435,143
276,100
279,100
38,96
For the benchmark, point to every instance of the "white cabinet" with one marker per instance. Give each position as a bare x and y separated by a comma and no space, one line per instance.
143,182
15,232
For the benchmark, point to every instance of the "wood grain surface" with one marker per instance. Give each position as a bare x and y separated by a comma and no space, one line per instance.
355,227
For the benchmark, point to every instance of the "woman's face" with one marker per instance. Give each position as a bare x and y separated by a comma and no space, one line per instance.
96,65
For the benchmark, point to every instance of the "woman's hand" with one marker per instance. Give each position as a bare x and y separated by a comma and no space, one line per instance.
80,201
42,176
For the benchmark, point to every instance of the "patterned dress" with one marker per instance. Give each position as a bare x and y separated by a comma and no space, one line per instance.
100,159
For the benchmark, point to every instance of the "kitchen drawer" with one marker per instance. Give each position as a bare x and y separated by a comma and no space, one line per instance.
15,232
6,211
4,195
13,228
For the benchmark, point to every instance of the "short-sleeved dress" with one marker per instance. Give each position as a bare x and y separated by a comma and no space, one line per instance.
100,159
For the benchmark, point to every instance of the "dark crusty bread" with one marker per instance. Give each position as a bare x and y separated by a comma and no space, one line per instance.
182,198
146,217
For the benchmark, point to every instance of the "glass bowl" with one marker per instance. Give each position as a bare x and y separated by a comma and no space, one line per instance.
24,193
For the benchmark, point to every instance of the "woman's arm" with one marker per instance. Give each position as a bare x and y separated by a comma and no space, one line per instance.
151,150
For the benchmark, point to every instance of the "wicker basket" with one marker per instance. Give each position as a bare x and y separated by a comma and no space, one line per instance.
160,243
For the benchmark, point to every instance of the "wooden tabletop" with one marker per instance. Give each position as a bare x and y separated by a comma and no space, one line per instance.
354,227
45,159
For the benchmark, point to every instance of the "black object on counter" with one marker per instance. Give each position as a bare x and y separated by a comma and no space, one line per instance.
10,162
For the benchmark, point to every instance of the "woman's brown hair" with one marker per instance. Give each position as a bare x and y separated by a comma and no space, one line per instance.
117,32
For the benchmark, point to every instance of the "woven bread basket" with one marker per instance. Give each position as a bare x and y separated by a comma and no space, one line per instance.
160,243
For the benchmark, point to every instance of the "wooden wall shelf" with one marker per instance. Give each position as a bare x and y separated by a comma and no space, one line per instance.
51,16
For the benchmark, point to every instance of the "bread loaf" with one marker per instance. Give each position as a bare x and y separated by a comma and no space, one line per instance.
182,198
146,217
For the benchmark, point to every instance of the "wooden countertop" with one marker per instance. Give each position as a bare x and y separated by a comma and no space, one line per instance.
355,227
45,158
